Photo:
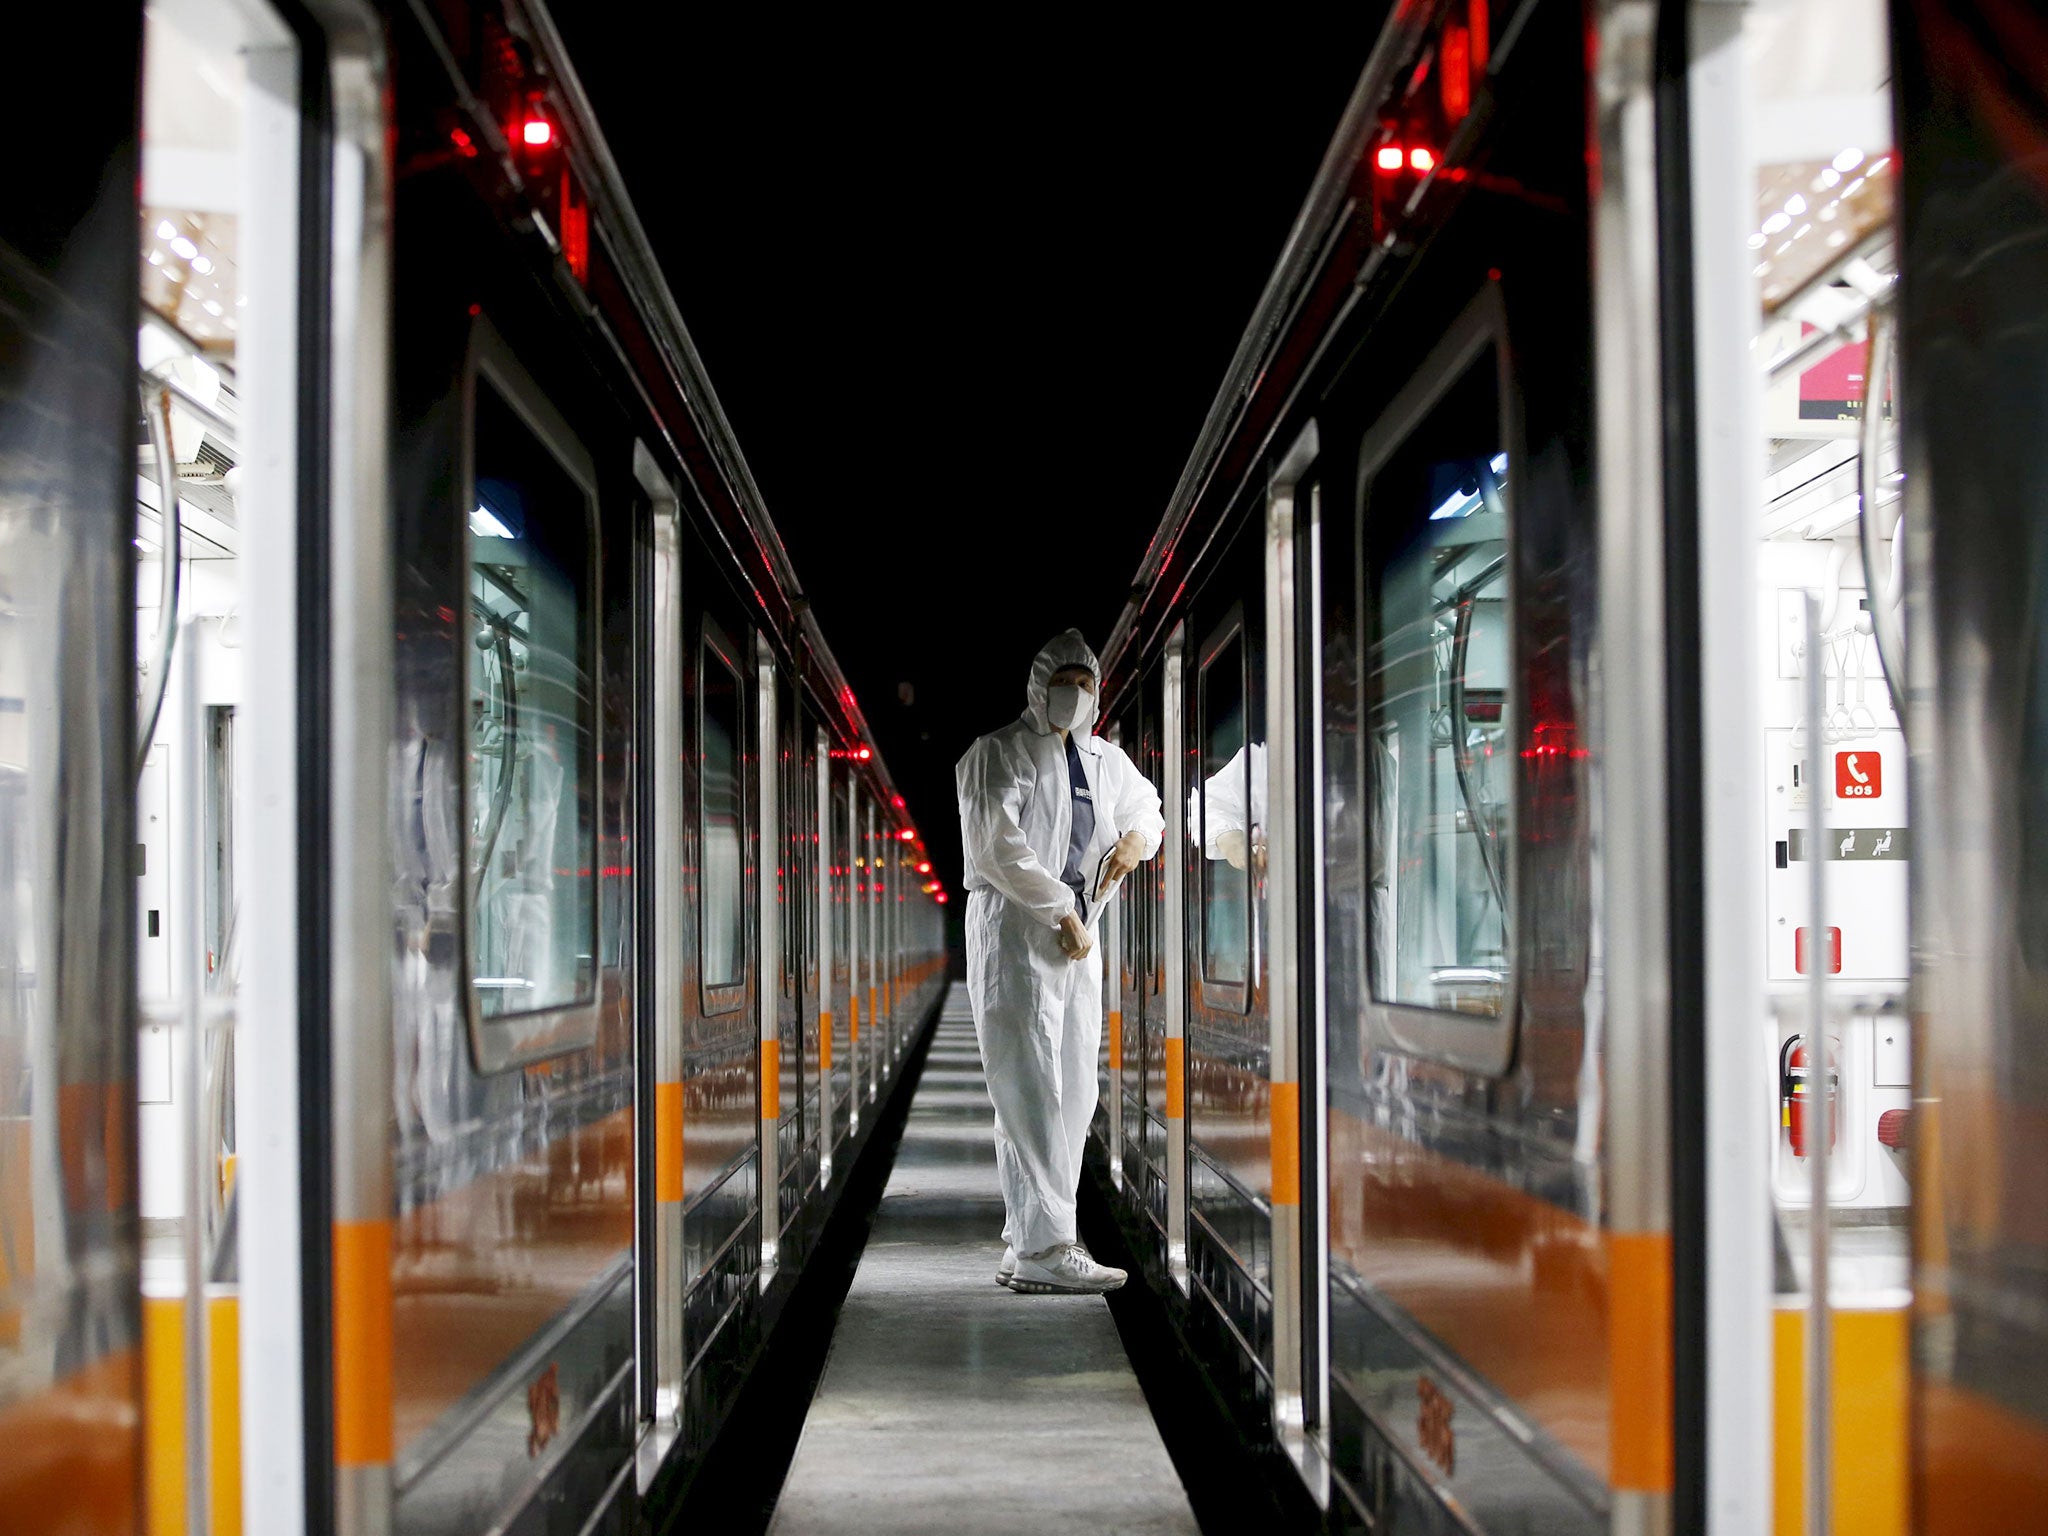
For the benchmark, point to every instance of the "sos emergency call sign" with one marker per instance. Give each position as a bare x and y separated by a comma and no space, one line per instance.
1859,775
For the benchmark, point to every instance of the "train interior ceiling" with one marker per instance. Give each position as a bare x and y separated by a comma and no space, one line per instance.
465,939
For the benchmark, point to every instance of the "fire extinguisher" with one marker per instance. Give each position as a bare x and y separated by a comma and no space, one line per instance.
1795,1088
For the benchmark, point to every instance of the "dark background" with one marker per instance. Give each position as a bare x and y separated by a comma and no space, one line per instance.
966,299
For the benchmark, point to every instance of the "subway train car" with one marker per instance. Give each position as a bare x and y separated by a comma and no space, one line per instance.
460,934
1577,1066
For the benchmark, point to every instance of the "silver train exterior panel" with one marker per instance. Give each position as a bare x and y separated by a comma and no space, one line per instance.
511,852
1458,1089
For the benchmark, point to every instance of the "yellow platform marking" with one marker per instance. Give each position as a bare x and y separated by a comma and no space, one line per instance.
1870,1371
163,1353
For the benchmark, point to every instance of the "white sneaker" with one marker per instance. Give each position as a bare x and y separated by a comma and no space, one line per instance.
1064,1271
1008,1267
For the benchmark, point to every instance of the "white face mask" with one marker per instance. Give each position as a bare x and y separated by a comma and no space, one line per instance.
1069,706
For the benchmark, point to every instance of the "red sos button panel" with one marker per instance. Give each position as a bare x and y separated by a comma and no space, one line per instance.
1859,775
1802,940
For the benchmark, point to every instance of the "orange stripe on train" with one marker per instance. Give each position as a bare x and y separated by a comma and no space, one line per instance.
1639,1359
363,1428
668,1143
1286,1147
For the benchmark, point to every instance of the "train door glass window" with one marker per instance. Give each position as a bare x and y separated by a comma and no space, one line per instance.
532,716
722,828
217,360
1815,245
1222,814
1434,540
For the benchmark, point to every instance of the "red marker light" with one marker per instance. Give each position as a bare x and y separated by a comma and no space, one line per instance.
1421,159
864,754
1457,72
940,898
537,133
906,834
925,868
1389,157
898,802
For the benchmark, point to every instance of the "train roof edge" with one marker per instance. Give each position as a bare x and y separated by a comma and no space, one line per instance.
1302,256
784,607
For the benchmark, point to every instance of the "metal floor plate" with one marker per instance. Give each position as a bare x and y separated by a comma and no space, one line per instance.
949,1404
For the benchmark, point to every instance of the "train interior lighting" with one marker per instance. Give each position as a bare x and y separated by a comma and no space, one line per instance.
1823,262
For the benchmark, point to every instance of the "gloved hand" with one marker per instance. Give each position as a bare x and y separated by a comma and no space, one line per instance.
1073,937
1123,858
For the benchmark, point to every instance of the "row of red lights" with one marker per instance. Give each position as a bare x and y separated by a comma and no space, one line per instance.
1419,158
863,754
536,132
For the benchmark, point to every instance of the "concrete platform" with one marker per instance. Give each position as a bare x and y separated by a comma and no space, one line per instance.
949,1404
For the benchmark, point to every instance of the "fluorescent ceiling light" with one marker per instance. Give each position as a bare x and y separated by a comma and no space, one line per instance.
485,524
1458,504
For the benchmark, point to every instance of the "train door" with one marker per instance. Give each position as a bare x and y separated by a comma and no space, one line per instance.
263,675
1294,1031
796,1015
780,1130
723,1191
1144,1026
1119,922
846,917
1458,1343
801,902
870,865
829,947
1789,707
70,1407
1970,326
662,886
1221,1076
1166,1126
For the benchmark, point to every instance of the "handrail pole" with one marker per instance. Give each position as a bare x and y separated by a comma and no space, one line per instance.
1819,1101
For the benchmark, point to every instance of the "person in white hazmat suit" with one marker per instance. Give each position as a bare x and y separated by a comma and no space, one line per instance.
1051,819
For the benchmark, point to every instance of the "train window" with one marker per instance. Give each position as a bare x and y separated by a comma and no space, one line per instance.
722,815
1434,541
532,711
1224,814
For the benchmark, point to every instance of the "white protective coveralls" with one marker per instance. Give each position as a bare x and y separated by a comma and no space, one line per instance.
1037,1013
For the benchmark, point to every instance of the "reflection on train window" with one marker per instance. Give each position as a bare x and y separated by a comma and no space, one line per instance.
532,807
723,825
1221,816
1434,538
